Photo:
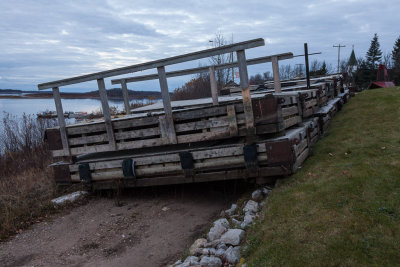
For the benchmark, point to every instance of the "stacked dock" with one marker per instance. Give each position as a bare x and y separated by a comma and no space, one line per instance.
248,133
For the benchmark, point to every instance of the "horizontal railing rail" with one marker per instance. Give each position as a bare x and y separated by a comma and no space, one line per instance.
155,64
253,61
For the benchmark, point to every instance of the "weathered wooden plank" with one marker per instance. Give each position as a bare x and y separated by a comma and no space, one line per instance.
213,84
169,122
155,64
290,111
300,159
246,98
178,73
203,124
300,147
198,137
88,139
275,71
140,133
61,120
125,95
233,126
106,113
292,121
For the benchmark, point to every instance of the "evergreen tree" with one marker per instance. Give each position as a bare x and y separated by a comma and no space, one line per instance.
352,59
374,53
396,61
323,70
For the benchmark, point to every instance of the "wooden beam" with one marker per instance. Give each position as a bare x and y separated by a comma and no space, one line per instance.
213,83
106,113
61,121
244,84
253,61
125,95
170,128
155,64
277,79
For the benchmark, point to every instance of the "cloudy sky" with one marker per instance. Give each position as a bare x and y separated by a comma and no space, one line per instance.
42,41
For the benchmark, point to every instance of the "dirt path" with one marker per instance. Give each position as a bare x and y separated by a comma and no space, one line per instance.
149,229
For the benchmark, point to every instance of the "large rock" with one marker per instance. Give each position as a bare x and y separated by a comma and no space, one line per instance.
236,223
232,255
257,195
224,222
220,252
248,219
251,207
190,261
232,237
210,261
220,227
197,244
266,191
231,211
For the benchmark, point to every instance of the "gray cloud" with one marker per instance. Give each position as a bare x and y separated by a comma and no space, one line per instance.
48,40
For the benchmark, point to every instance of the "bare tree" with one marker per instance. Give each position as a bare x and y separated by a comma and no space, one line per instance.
223,75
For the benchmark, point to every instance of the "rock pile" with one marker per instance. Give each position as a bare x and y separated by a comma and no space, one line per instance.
223,243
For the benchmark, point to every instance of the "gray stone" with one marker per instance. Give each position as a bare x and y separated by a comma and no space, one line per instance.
231,211
232,237
220,227
211,261
248,219
177,262
257,195
222,245
224,222
197,244
232,255
251,206
190,261
236,222
266,191
220,252
212,244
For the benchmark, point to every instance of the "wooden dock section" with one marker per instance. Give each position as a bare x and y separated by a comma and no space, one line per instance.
254,132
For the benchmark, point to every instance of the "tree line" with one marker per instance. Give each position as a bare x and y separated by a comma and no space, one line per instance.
359,72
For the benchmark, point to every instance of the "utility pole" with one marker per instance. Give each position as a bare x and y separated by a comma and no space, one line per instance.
233,69
307,66
338,57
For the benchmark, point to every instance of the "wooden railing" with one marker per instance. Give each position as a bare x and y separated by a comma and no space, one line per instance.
162,76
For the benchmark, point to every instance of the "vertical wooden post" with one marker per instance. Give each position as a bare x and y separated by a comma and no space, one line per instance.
162,77
275,71
213,83
61,121
125,95
244,84
106,113
307,65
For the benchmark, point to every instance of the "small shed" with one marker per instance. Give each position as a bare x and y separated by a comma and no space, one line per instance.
382,79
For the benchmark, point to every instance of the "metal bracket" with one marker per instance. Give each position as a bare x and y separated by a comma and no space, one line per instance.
84,173
128,168
250,157
187,163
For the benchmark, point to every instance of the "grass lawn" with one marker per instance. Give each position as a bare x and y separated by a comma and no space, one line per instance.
343,207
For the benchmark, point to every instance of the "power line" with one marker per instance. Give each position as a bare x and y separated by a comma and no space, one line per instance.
338,58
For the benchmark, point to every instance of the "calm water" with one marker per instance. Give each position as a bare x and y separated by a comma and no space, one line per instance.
33,106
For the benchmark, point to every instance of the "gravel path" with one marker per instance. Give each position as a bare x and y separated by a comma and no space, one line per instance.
151,228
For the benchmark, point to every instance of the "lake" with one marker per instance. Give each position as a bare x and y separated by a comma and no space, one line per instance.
17,106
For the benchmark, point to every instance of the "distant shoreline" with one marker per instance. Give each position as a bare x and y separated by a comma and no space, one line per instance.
34,96
112,94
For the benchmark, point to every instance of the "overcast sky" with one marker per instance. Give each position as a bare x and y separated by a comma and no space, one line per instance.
42,41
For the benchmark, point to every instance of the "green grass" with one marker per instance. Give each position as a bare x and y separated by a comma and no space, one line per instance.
343,207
